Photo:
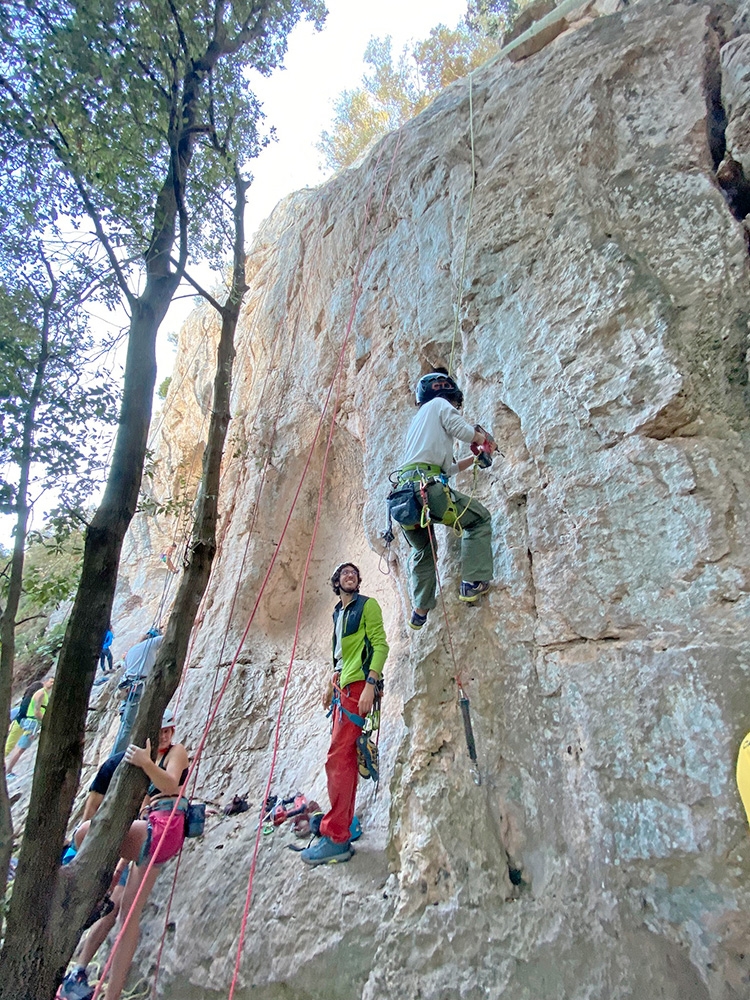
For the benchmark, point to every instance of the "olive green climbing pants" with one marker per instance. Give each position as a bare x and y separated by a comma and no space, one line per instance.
476,544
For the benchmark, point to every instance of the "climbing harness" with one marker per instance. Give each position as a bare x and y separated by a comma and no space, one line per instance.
367,741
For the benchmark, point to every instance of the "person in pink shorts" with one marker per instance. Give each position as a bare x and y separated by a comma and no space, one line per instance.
168,774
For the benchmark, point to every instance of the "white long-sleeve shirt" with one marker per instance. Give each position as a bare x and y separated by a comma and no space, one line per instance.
431,435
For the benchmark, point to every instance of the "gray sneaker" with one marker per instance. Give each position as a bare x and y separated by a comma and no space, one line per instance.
471,591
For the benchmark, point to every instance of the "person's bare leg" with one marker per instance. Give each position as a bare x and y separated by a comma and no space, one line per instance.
14,758
98,932
96,937
126,949
131,845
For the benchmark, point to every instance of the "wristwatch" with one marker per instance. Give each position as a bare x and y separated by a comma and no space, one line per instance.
372,680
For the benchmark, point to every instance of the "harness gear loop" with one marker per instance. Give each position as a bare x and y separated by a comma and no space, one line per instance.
367,748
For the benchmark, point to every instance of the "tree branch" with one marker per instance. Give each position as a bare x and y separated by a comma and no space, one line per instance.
202,291
180,32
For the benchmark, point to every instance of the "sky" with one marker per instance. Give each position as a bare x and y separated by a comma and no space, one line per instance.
298,101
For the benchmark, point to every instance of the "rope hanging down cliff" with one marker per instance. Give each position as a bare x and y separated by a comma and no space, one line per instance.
336,381
356,294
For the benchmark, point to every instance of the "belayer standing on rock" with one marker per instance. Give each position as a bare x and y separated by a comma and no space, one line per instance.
139,661
106,661
28,722
426,465
359,653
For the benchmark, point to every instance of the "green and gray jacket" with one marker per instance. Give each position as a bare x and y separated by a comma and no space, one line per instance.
363,643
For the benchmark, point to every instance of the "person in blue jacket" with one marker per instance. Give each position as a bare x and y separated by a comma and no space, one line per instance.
105,657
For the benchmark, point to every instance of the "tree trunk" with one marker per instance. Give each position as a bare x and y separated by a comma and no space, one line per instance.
8,617
43,928
27,963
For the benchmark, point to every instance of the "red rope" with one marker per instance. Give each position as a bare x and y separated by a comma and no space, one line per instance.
357,292
266,464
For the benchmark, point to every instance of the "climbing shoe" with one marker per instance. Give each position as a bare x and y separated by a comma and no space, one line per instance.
417,621
326,852
367,757
75,986
471,591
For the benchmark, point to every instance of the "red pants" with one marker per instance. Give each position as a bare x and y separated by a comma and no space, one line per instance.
342,769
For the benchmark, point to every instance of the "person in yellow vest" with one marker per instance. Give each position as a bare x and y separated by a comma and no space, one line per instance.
743,774
25,728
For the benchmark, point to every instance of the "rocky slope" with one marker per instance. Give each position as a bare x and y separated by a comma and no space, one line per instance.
602,335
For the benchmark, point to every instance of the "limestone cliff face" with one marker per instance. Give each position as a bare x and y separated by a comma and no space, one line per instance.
602,336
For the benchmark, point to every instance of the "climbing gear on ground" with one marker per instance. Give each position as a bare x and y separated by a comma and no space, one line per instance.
315,819
75,986
301,823
336,576
299,810
436,384
483,451
367,757
237,805
469,734
417,621
294,805
195,819
326,852
470,592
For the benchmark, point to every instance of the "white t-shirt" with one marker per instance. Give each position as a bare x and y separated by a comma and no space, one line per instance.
431,435
338,653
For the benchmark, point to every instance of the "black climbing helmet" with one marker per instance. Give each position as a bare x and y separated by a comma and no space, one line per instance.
436,384
337,576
